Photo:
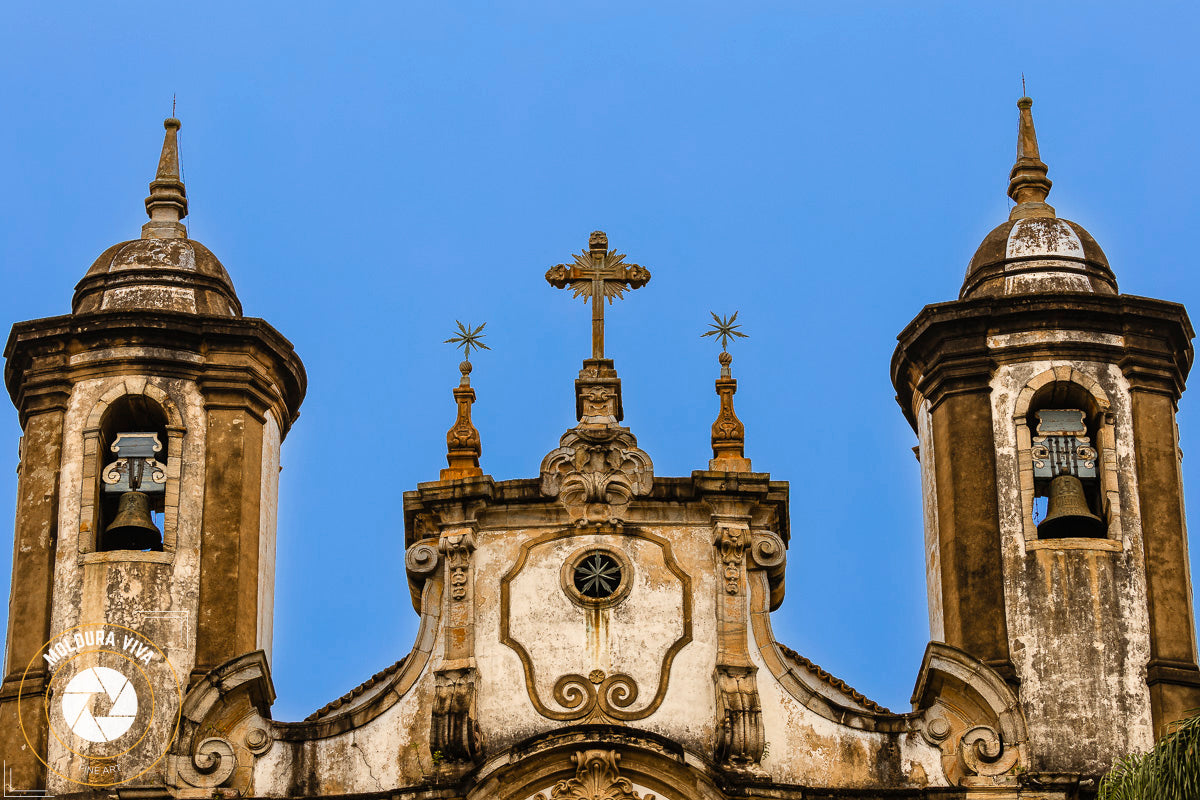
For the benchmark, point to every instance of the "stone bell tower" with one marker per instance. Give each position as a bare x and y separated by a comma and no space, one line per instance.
1056,546
152,417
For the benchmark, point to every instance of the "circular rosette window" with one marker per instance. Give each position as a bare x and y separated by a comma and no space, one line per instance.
597,577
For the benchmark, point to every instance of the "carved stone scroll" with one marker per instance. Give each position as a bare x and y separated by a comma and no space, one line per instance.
211,765
224,728
421,559
596,473
972,716
768,552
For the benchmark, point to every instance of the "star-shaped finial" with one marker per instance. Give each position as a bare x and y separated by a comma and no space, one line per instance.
468,337
724,329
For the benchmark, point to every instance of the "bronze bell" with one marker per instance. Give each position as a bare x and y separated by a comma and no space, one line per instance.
1067,512
132,528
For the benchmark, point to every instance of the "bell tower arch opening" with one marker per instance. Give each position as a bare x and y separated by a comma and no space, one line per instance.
134,449
1061,427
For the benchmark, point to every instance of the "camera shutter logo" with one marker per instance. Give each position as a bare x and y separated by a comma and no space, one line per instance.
91,690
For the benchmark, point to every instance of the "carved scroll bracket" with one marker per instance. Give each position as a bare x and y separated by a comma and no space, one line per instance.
768,553
224,728
741,738
454,738
457,546
209,767
731,541
422,559
972,716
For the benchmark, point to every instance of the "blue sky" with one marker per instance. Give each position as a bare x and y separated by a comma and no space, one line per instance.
368,173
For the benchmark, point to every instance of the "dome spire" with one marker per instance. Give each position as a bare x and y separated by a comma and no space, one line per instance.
167,203
1028,184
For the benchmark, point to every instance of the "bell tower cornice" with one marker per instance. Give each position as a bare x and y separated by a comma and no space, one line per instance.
242,355
956,346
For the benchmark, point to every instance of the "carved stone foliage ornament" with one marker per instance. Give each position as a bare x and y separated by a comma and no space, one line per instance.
596,473
457,548
730,542
740,734
597,777
454,732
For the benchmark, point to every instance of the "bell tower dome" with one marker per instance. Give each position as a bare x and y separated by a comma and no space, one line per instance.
152,417
1056,546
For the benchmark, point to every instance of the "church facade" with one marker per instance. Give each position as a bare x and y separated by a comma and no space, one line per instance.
598,631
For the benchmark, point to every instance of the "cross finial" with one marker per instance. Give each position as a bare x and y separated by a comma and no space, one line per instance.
598,273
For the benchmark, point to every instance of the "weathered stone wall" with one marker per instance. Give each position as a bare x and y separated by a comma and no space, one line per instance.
268,518
927,455
155,593
529,637
1076,607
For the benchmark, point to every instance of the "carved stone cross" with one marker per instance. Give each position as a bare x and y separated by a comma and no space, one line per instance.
598,273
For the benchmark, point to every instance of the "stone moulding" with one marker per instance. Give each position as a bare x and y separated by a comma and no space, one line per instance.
386,693
948,343
597,695
188,346
803,686
655,766
963,707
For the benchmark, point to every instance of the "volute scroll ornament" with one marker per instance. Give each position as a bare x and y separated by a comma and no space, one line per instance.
982,751
972,716
422,558
224,728
767,550
211,764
